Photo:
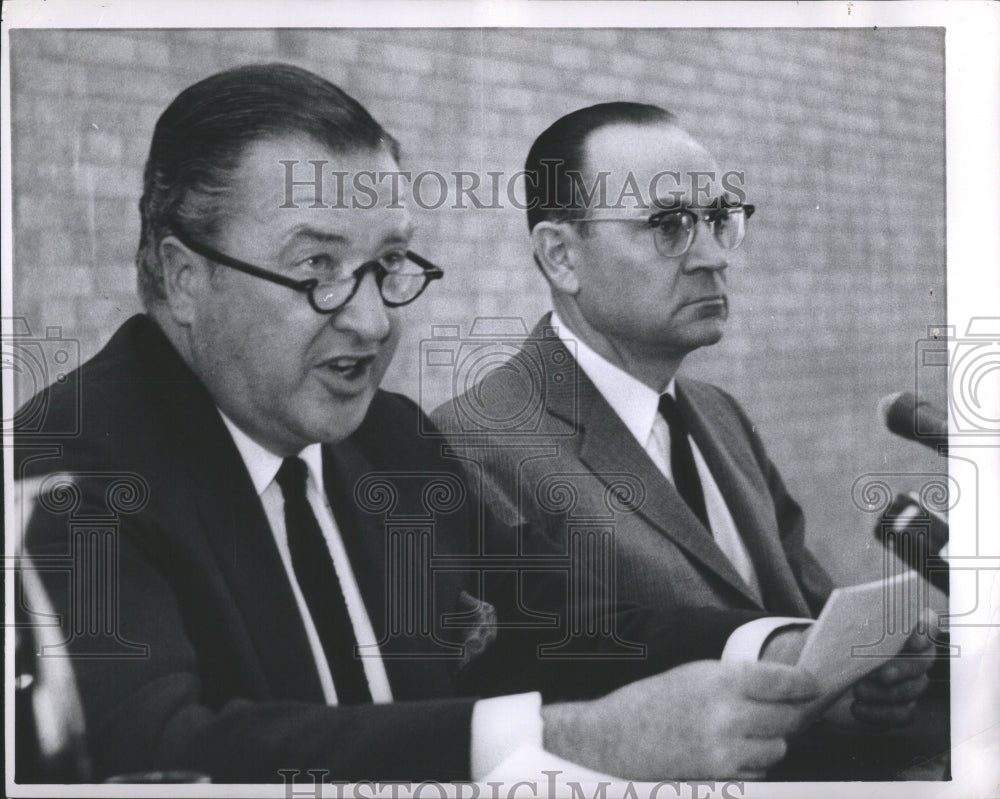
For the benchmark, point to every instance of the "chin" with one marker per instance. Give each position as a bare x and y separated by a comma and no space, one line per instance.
714,337
707,333
341,422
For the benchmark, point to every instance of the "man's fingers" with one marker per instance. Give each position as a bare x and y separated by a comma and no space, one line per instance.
759,720
884,715
784,647
905,691
901,669
932,629
776,682
760,754
918,642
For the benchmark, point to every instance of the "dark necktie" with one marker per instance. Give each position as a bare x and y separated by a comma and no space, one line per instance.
318,581
682,460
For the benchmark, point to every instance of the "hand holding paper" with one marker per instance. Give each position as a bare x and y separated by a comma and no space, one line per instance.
874,637
887,697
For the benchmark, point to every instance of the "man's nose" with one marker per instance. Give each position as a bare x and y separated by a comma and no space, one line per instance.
705,251
365,314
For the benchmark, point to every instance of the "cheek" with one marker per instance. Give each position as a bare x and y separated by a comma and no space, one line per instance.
226,359
387,349
241,341
621,289
261,360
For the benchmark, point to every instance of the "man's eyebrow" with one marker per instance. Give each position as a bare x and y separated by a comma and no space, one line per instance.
309,232
403,235
669,204
674,204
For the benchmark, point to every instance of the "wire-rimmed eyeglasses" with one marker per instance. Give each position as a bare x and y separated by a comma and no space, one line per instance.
401,277
675,228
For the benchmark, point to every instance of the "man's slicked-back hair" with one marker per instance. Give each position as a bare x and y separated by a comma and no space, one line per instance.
556,160
200,139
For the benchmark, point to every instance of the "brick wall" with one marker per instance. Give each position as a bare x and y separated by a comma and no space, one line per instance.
840,132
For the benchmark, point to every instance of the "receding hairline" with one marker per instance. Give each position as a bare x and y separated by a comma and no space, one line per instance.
303,148
301,136
668,127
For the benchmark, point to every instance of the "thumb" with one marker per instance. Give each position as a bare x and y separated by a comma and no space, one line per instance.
777,682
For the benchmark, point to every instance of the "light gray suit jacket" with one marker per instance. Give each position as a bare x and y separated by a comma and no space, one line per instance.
553,457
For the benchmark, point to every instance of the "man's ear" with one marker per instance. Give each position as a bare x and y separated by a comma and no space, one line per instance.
184,275
555,252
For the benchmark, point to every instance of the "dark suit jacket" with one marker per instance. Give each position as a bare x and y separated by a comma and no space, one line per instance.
187,643
227,683
553,454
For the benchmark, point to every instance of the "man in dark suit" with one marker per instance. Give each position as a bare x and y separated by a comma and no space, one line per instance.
633,225
237,527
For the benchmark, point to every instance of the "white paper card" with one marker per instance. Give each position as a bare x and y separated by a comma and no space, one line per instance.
861,627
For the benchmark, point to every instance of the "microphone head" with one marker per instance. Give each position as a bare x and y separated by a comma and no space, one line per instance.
914,419
902,403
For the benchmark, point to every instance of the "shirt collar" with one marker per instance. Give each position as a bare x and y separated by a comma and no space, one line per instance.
263,465
635,403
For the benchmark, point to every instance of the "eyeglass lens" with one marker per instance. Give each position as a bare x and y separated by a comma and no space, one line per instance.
676,231
398,283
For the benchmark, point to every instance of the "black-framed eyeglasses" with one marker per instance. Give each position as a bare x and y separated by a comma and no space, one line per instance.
675,229
401,277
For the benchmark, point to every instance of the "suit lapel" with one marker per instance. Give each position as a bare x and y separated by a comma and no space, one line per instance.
235,524
607,448
412,662
247,555
748,499
363,537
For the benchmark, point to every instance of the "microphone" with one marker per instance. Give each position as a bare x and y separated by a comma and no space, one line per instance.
914,419
917,536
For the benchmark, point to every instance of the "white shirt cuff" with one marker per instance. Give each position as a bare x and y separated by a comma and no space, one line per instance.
747,641
500,726
507,746
507,730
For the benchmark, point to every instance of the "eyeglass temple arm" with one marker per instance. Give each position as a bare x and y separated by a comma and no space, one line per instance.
747,208
431,271
242,266
654,219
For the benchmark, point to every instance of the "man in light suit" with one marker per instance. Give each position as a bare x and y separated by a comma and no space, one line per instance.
242,504
633,227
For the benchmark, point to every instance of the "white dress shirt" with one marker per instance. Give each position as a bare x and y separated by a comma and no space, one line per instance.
263,465
637,405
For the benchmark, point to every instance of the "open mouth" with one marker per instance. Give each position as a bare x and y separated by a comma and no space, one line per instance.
350,368
715,299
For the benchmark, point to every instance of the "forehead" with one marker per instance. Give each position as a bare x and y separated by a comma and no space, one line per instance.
293,181
639,153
